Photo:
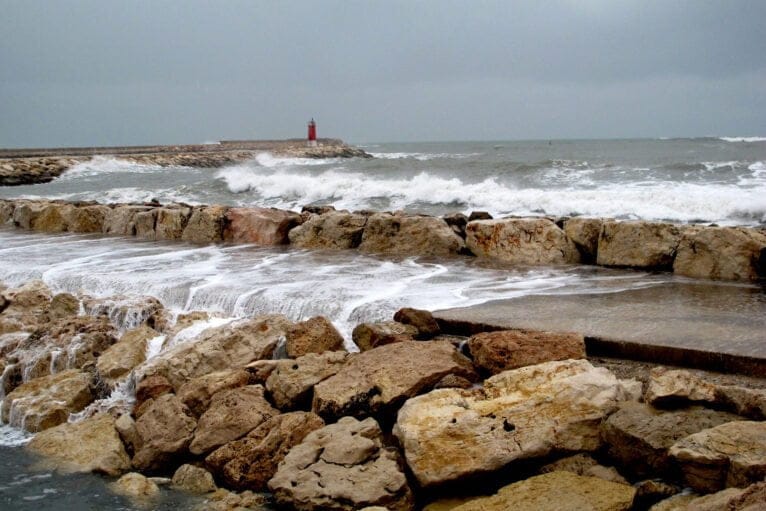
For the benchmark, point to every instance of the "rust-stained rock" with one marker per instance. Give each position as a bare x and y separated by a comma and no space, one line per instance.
171,222
86,219
638,244
315,335
499,351
521,241
261,226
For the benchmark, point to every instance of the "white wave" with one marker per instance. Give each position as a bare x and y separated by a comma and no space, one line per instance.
422,156
120,195
270,161
13,437
743,139
106,165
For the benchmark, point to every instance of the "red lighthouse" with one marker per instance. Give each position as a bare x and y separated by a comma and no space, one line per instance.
312,133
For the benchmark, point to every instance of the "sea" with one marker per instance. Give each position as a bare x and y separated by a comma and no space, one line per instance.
713,180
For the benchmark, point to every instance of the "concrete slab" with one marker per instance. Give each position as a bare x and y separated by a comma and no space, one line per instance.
695,324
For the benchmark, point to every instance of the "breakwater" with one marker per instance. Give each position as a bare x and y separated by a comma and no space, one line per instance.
697,251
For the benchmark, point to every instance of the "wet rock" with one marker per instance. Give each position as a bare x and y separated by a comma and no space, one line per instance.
376,382
371,335
421,319
25,307
722,253
205,225
479,215
521,241
126,311
639,436
409,235
638,244
291,382
86,219
151,387
126,428
51,218
732,454
261,226
751,498
25,214
518,414
197,392
651,491
333,230
583,465
45,402
120,358
91,445
171,222
225,500
317,210
144,223
584,232
452,381
136,487
499,351
63,305
343,466
249,463
165,431
194,480
556,491
232,414
228,347
457,222
120,220
260,370
6,212
315,335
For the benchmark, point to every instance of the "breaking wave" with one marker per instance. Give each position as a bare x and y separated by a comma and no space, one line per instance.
743,139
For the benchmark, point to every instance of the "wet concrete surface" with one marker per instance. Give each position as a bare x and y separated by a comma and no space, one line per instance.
707,325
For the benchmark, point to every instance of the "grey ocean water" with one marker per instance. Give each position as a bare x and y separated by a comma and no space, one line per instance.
711,180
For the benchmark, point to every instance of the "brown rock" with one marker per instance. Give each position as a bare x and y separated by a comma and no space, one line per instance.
26,213
6,211
165,431
120,220
171,222
63,305
291,382
232,414
151,387
197,392
421,319
136,487
638,244
452,381
86,219
205,225
144,223
126,428
333,230
583,465
253,460
376,382
409,235
262,226
194,480
371,335
510,349
315,335
120,358
722,253
51,218
584,232
521,241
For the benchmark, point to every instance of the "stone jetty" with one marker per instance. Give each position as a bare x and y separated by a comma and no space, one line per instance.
416,420
32,166
689,250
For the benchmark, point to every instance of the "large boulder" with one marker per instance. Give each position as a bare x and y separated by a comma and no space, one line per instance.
724,253
232,414
197,392
120,220
63,305
145,222
378,381
751,498
250,462
25,213
120,358
343,466
127,311
638,244
24,307
556,491
584,232
136,487
51,218
422,320
195,480
409,235
45,402
291,382
518,414
150,388
584,465
86,219
91,445
164,431
230,346
371,335
6,211
732,454
333,230
521,241
639,436
205,225
501,350
171,222
315,335
261,226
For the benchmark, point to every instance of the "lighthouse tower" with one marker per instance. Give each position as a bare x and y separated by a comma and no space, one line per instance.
312,139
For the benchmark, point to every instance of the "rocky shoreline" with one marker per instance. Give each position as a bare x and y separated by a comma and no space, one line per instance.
263,413
690,250
33,166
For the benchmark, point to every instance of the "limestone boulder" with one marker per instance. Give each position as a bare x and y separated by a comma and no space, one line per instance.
136,487
371,335
26,213
638,244
722,253
6,211
227,347
261,226
144,223
120,220
584,232
518,414
151,388
86,219
51,218
225,500
378,381
315,335
250,462
171,222
422,320
25,306
197,392
639,436
291,382
232,414
205,225
332,230
91,445
499,351
409,235
120,358
731,454
343,466
530,241
45,402
751,498
195,480
584,465
556,491
165,431
63,305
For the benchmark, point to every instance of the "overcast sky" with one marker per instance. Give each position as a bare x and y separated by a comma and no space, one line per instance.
106,72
